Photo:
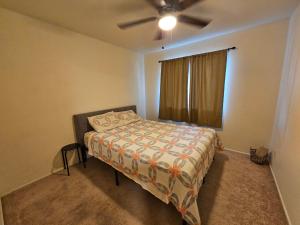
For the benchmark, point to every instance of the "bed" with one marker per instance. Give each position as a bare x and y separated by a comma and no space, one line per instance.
170,161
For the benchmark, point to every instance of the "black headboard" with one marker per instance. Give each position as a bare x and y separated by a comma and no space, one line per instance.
82,125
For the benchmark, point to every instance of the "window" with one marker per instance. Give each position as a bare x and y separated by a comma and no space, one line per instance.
192,89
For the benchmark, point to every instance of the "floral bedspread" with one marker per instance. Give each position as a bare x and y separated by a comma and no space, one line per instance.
168,160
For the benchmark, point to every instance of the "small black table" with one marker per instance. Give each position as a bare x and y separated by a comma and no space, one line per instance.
71,147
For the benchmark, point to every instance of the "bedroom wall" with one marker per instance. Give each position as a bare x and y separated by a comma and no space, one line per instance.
252,81
286,139
47,74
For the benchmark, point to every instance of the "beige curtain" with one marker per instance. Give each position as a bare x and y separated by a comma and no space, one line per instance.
174,90
207,88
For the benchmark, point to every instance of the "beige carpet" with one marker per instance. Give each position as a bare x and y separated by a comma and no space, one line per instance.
236,192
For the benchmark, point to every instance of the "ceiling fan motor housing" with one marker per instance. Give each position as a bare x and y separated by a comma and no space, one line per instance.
169,7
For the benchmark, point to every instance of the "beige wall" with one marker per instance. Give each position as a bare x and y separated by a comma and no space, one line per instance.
47,74
286,133
252,81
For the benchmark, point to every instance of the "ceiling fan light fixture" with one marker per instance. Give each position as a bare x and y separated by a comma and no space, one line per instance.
167,22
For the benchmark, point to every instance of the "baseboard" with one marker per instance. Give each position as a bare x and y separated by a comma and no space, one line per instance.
34,180
23,185
1,214
15,189
58,169
280,196
233,150
277,186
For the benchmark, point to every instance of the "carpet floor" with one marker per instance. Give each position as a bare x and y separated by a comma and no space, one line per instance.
236,192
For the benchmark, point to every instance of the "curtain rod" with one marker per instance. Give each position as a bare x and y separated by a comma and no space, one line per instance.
228,49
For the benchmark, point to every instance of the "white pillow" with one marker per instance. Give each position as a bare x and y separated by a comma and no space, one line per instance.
104,121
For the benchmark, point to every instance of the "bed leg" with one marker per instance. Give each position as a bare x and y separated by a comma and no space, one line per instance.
117,177
63,158
83,155
184,222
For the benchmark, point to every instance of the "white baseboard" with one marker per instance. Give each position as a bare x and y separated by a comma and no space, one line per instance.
233,150
23,185
277,186
280,196
1,214
37,179
32,181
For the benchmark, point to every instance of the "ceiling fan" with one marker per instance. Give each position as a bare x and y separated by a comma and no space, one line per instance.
167,10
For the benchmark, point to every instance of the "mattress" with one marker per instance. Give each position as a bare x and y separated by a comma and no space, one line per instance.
170,161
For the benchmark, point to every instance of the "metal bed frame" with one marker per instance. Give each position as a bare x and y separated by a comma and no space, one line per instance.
81,126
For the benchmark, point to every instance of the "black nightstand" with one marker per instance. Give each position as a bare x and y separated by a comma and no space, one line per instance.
71,147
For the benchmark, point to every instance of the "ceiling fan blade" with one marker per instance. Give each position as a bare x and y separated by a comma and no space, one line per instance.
169,2
136,22
159,35
193,21
155,4
187,3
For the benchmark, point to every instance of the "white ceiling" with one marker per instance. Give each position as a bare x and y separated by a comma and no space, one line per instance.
98,18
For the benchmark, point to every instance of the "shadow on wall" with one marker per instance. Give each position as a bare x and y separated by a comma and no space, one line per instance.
142,205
